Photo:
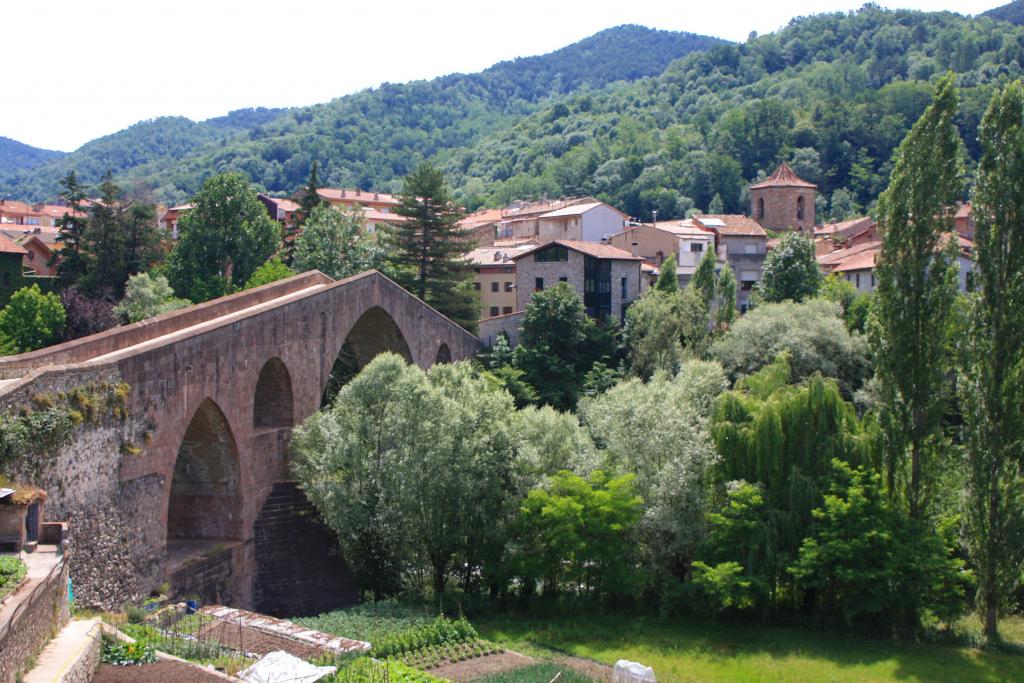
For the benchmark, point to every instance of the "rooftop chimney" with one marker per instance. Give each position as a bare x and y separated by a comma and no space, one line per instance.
634,248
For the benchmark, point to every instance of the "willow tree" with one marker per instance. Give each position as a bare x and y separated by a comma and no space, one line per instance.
991,381
917,287
783,439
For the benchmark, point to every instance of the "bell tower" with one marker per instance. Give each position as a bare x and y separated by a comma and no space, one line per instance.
784,201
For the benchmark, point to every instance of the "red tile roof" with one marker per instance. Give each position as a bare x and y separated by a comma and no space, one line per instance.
8,246
731,224
601,251
336,195
784,176
864,260
844,229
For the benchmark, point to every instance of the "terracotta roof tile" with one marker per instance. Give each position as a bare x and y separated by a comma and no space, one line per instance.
784,176
601,251
8,246
730,224
361,196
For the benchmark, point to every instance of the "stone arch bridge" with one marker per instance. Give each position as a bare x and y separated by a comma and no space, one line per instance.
191,486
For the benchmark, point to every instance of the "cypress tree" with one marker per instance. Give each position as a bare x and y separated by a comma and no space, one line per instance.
668,281
726,297
917,287
991,382
703,281
427,247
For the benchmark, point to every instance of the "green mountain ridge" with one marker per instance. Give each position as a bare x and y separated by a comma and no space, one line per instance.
1012,12
832,94
368,138
18,155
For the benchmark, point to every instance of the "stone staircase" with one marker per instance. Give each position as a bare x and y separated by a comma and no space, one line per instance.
299,569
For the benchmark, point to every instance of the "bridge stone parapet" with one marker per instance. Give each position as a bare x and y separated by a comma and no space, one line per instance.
215,392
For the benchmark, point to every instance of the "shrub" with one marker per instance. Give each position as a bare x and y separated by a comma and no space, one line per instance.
120,653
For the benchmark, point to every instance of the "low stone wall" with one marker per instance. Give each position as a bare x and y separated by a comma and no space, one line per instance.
37,620
509,325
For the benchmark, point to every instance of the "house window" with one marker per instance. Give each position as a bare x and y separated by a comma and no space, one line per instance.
508,286
555,253
538,284
858,280
747,285
505,310
476,286
494,286
563,279
494,311
625,288
872,279
760,207
749,248
799,208
696,247
661,257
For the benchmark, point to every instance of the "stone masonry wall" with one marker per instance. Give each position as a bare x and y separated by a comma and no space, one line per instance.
111,524
780,208
34,625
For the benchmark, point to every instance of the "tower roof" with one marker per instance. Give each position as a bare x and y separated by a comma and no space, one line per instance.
784,176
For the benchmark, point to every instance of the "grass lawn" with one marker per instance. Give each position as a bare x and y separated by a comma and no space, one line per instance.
702,652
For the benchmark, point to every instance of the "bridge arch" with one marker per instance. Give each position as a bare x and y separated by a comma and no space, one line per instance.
273,405
444,354
205,501
373,333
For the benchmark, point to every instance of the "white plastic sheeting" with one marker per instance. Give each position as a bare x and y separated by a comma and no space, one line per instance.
632,672
281,667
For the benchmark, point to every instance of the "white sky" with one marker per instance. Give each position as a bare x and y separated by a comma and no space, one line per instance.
79,69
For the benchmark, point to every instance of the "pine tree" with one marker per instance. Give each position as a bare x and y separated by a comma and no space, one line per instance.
991,382
668,281
427,246
70,258
309,201
917,287
104,244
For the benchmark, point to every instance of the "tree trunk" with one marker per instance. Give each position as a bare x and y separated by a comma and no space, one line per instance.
440,579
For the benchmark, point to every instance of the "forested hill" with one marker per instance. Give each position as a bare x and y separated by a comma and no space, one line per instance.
369,138
1012,12
833,94
14,154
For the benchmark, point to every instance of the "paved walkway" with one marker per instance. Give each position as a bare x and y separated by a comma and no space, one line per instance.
37,566
65,651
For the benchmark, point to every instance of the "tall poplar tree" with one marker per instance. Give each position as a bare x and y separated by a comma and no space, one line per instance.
992,380
427,247
917,287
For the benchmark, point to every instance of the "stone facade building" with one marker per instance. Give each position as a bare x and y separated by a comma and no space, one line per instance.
784,201
606,279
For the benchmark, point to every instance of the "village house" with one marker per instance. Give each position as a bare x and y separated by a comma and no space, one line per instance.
742,243
579,219
784,201
169,220
13,212
655,242
481,227
606,279
378,207
38,246
495,277
855,261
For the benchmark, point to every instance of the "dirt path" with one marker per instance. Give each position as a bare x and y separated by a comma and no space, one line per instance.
471,669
